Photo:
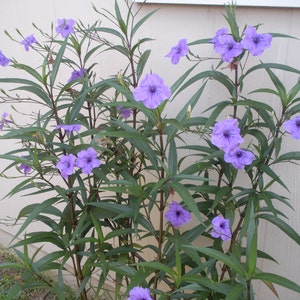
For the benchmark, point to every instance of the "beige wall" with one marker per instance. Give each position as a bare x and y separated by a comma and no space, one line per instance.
168,25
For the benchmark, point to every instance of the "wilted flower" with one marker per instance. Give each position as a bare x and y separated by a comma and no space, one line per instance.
293,127
28,42
4,61
239,158
254,42
87,160
151,91
139,293
180,50
227,47
69,128
226,135
125,112
66,165
65,27
25,168
4,120
177,215
220,228
76,74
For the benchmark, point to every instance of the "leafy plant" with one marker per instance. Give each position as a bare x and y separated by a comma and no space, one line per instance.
118,178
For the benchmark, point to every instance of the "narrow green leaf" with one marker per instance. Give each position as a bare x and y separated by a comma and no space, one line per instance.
57,62
287,229
236,292
226,259
277,279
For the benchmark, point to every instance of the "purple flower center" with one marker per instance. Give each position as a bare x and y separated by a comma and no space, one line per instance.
222,225
178,213
297,123
226,133
152,89
230,46
238,154
256,39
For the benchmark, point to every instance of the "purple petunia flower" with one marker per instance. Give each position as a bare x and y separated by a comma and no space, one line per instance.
177,215
4,120
125,112
65,27
76,74
220,228
25,168
180,50
254,42
28,42
152,91
239,158
139,293
87,160
227,47
69,128
226,135
293,127
66,165
4,61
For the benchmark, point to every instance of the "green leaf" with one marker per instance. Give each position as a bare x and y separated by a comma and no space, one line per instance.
226,259
277,279
141,22
289,156
287,229
33,214
235,292
187,199
57,62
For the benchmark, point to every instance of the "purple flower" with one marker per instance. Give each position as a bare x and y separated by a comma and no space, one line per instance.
293,127
152,91
226,135
227,47
125,112
4,120
64,27
25,168
28,42
77,74
220,32
239,158
139,293
180,50
87,160
69,128
66,165
254,42
4,61
220,228
177,215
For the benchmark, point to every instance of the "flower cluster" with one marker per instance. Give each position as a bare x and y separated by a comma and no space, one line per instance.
229,48
86,160
226,136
